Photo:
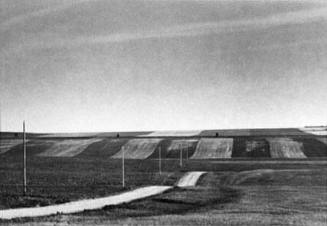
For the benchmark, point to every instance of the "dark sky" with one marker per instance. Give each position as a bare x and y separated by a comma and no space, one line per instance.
155,65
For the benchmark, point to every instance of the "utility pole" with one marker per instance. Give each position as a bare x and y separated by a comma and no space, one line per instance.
180,156
2,76
123,165
159,160
24,146
0,124
187,151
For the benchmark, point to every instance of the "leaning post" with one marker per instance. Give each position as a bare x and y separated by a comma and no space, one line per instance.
24,147
159,160
180,156
123,166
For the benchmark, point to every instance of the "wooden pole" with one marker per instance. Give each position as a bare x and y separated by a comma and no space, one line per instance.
24,146
123,166
187,151
180,156
160,160
0,124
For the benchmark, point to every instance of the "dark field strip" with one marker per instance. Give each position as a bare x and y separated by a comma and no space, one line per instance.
313,147
34,147
104,148
186,153
172,154
164,144
257,148
250,148
239,146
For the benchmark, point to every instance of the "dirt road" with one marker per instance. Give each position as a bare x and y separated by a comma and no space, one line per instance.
189,179
88,204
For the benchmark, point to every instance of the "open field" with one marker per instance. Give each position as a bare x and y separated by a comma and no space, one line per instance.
190,179
60,179
287,195
248,180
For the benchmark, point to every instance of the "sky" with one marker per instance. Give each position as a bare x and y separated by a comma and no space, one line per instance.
143,65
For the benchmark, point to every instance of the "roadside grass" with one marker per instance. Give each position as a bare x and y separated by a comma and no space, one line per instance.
292,197
57,179
279,196
176,201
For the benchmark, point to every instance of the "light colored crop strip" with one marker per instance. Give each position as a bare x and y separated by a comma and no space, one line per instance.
67,148
213,148
190,179
88,204
285,148
138,148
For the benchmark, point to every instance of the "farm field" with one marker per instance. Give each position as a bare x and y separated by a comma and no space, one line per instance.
244,180
241,193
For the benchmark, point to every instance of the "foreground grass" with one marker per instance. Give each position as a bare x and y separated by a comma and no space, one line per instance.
58,180
252,197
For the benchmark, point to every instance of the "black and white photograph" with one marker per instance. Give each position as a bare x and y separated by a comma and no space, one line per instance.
163,112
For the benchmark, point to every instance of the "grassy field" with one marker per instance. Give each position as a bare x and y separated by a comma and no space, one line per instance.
275,195
55,180
60,179
243,190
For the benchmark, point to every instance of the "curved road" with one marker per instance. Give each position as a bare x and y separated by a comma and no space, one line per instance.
189,179
88,204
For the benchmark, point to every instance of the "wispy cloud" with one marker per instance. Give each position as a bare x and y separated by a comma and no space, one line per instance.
185,30
5,25
289,45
